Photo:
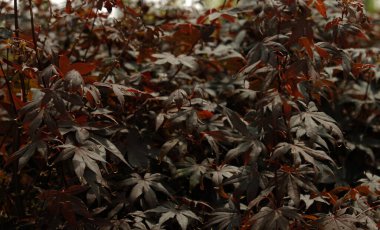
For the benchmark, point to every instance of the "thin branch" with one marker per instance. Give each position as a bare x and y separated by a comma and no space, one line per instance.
117,59
33,32
9,91
5,136
91,30
17,29
23,89
110,70
72,49
224,4
188,53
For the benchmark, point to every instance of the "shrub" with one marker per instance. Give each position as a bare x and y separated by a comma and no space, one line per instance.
260,115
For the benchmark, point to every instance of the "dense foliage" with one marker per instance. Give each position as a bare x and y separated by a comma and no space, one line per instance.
260,115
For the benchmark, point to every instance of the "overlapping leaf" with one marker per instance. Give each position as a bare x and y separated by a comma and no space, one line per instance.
145,186
169,211
317,126
83,156
300,151
273,219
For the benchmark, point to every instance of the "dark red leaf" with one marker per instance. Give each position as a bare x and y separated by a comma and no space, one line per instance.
204,114
83,68
308,45
320,6
64,64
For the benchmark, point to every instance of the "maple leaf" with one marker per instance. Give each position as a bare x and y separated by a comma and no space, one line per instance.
164,58
26,152
372,181
338,220
221,172
253,147
310,201
272,219
83,156
299,150
320,6
181,214
65,203
190,168
120,91
108,145
316,125
146,186
292,179
66,66
227,217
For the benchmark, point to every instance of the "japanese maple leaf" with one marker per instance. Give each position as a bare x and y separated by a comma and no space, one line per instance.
85,155
227,217
171,211
191,168
83,68
316,125
300,151
164,58
268,218
338,220
146,185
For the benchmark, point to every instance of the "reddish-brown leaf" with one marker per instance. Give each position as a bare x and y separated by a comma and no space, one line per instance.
83,68
287,109
307,44
332,23
228,17
68,8
320,6
322,52
64,64
75,189
68,212
131,11
363,190
310,217
203,18
204,114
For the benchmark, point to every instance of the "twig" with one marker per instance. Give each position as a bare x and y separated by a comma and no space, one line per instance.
17,32
16,141
111,69
91,30
5,136
117,59
79,37
9,91
188,53
33,32
16,18
224,4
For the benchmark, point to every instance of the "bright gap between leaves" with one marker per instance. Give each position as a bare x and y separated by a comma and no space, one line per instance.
116,12
157,3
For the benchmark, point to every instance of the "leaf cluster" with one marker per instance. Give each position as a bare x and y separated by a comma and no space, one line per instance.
253,115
